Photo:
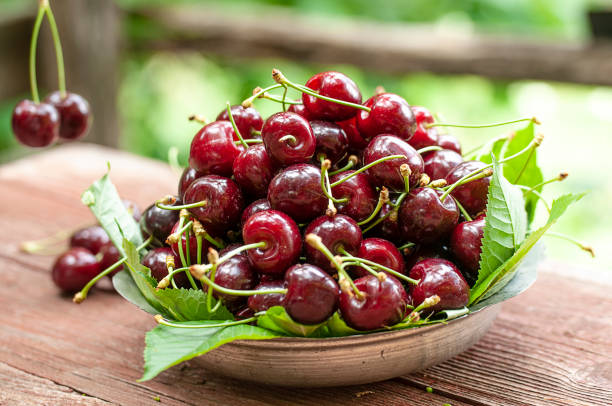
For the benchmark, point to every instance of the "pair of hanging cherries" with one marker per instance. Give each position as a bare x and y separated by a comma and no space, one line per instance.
62,115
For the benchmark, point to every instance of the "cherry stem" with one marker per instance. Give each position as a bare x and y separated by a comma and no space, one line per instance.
352,161
377,265
366,167
33,46
199,247
561,177
383,198
405,172
163,206
428,302
165,322
537,194
235,292
478,174
185,260
170,277
236,130
289,139
59,56
255,132
407,245
325,185
532,119
381,219
531,152
248,141
462,210
281,79
42,246
284,98
82,294
430,148
198,119
583,247
249,101
278,99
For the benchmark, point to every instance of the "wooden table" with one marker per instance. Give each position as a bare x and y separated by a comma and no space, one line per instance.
550,346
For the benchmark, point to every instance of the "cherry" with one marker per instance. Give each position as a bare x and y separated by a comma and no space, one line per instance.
384,304
388,173
424,218
447,141
187,178
132,208
288,138
235,273
336,233
244,313
439,277
420,252
92,238
255,207
155,260
281,236
159,222
75,115
472,195
382,252
466,245
74,268
213,149
247,119
423,136
253,171
193,245
297,191
110,254
389,114
439,163
361,195
35,124
355,141
312,295
224,203
337,86
389,228
301,110
261,303
331,140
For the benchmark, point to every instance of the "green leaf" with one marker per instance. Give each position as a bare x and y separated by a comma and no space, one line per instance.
277,319
496,150
126,287
338,327
190,304
105,203
169,346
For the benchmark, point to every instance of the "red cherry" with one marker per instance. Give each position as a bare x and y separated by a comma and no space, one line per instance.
331,141
253,171
466,245
423,136
193,245
155,260
187,178
110,255
247,119
337,86
75,116
235,273
382,252
389,228
361,195
213,149
336,232
261,303
424,218
73,269
389,114
312,295
92,238
472,195
159,222
439,277
255,207
298,148
35,124
439,163
355,141
301,110
447,141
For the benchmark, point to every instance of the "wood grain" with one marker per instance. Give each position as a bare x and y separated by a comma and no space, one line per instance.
549,346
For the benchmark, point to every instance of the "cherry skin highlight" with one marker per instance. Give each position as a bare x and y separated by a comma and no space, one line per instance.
73,269
336,232
255,207
472,195
439,277
288,151
253,171
261,303
187,178
466,246
92,238
389,114
337,86
361,195
424,218
247,119
423,136
331,140
382,252
439,163
159,222
235,273
35,124
75,114
213,149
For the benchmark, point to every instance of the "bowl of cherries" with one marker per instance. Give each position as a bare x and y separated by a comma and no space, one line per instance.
338,241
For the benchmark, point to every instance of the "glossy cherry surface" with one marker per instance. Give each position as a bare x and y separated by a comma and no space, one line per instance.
424,218
224,203
247,119
297,192
466,245
389,228
384,303
281,236
423,136
382,252
389,114
472,195
255,207
187,177
92,238
362,197
335,85
261,303
155,260
159,222
301,110
235,273
312,295
387,173
285,152
439,163
253,171
439,277
35,124
110,254
336,232
75,114
213,149
73,269
332,142
355,140
448,141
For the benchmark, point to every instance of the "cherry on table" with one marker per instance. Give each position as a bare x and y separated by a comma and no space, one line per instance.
448,141
439,163
361,195
155,260
255,207
288,138
331,140
92,238
472,195
35,124
110,254
159,222
253,170
247,119
336,232
424,218
382,252
75,114
74,268
389,114
466,246
439,277
187,177
261,303
235,273
213,149
337,86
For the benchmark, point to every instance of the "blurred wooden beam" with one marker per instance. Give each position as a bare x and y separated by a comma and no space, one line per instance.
388,48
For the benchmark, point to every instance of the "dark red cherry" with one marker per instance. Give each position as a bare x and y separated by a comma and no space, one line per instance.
224,203
384,304
301,110
439,277
282,238
420,252
75,116
337,86
155,260
213,149
35,124
389,228
261,303
110,254
312,295
447,141
423,136
297,191
472,195
362,197
388,173
336,232
92,238
439,163
193,245
466,245
297,148
331,141
255,207
424,218
382,252
253,171
355,140
187,178
74,268
247,119
244,313
389,114
132,208
236,273
159,222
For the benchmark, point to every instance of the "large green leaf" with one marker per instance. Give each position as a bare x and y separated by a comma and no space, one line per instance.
277,319
190,304
169,346
126,287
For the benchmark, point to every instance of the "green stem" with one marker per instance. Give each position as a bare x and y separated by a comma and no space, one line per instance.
236,131
199,244
570,239
407,245
61,76
235,292
279,99
428,149
33,46
377,265
366,167
346,167
524,165
249,141
165,322
395,205
379,205
537,194
284,98
162,206
326,187
462,210
481,125
248,101
290,139
185,260
559,178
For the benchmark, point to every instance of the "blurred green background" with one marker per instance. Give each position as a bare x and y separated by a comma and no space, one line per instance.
158,91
